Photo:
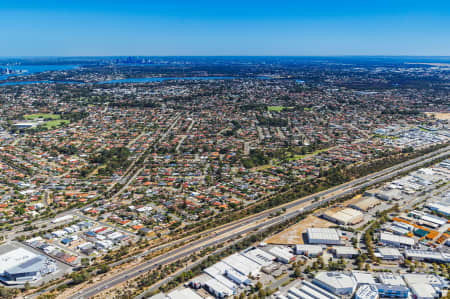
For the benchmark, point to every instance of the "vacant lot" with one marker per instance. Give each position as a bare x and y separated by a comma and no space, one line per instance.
293,234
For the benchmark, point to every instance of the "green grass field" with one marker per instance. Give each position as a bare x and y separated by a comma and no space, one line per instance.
42,115
275,108
51,124
299,157
278,108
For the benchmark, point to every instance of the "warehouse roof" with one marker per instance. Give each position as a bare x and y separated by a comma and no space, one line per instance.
323,233
336,280
396,239
183,293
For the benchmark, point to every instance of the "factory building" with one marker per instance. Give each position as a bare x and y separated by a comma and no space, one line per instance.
365,204
309,250
328,236
389,253
426,255
397,241
19,266
392,291
337,283
259,256
183,293
218,289
362,278
345,251
243,265
347,216
282,254
367,292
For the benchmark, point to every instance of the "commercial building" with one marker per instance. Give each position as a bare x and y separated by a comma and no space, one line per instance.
282,254
392,291
243,265
345,251
336,282
217,289
367,292
427,255
363,278
183,293
309,250
365,204
391,279
347,216
259,256
19,266
317,292
237,277
424,291
431,279
389,253
397,241
328,236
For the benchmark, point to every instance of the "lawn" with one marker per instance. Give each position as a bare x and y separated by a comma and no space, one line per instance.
42,115
275,108
278,108
299,157
51,124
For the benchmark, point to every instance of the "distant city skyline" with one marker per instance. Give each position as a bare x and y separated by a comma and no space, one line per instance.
232,28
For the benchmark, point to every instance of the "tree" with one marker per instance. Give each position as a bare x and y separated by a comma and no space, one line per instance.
85,262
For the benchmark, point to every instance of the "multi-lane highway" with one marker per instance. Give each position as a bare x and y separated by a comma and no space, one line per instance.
258,221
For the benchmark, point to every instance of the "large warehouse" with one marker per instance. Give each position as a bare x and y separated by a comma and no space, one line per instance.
19,266
328,236
336,282
347,216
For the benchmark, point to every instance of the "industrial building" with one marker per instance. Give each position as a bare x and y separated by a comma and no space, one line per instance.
365,204
337,283
347,216
218,289
391,279
392,291
328,236
243,265
345,251
259,256
310,290
389,253
309,250
183,293
427,255
397,241
19,266
282,254
367,292
363,278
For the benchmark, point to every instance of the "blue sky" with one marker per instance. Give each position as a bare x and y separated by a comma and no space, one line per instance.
134,27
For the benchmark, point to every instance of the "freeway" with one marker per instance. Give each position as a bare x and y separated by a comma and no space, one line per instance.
261,220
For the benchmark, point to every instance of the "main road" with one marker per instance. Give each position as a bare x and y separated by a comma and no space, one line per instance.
260,220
